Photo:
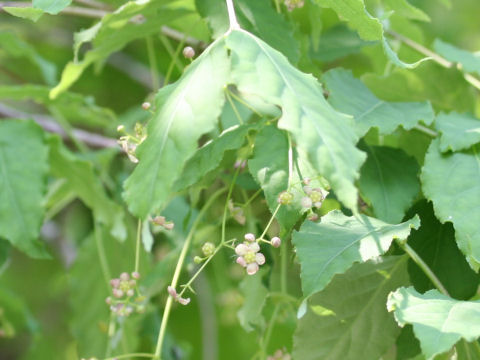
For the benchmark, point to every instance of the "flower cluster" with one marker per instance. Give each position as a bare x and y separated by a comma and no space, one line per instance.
130,142
126,297
173,293
248,254
292,4
160,220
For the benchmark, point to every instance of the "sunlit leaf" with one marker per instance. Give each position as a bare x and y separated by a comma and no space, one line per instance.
324,134
333,245
438,321
452,183
51,6
171,137
457,131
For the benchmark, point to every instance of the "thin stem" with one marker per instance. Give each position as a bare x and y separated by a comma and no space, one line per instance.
174,54
283,267
137,247
277,6
435,57
232,17
243,102
235,110
268,333
152,60
252,197
111,332
125,356
425,268
178,269
270,221
101,254
426,130
225,209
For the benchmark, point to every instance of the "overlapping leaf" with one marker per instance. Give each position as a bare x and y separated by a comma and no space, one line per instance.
470,62
51,6
250,315
389,181
338,241
209,156
348,319
324,134
184,112
114,31
404,8
23,169
351,96
457,131
438,321
452,182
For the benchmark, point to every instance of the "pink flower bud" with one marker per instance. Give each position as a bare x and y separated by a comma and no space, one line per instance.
136,275
169,225
318,204
276,242
306,181
115,283
313,217
259,258
250,237
241,261
108,300
172,292
130,292
132,283
117,293
183,301
252,268
124,276
159,220
241,249
188,52
146,105
306,202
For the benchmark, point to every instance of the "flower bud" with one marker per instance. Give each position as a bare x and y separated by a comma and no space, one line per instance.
313,217
306,181
241,249
172,292
146,105
108,300
241,261
124,276
115,283
130,292
197,259
276,242
252,268
183,301
136,275
208,249
254,247
120,128
306,202
250,237
188,52
285,198
260,258
307,190
169,225
159,220
117,293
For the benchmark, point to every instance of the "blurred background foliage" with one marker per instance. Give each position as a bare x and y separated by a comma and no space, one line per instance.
55,309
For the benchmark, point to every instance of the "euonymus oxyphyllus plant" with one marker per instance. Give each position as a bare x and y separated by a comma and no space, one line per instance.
239,179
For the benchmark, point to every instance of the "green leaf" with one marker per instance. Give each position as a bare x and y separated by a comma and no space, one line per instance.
349,95
354,12
83,181
171,137
29,13
438,321
452,183
116,31
469,351
17,48
435,244
23,170
457,131
338,42
338,241
470,62
51,6
389,180
74,107
407,10
318,130
209,156
255,293
348,320
257,17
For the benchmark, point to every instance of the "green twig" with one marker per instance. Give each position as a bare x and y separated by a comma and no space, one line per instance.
137,246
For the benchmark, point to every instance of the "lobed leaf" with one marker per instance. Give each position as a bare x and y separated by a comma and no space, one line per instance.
348,319
457,131
350,96
184,111
452,183
23,170
389,181
470,62
338,241
322,133
438,321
